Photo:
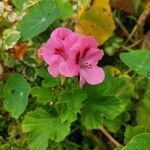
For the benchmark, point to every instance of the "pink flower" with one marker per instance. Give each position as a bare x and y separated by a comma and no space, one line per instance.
69,54
84,58
55,52
61,33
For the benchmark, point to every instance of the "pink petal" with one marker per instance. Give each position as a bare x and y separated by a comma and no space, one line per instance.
46,52
53,71
101,54
61,33
67,70
54,43
71,40
93,55
74,51
89,42
92,76
49,49
53,67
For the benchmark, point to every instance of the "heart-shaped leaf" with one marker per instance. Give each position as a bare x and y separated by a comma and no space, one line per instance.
16,92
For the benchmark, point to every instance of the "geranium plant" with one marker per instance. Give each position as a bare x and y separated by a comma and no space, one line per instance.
74,75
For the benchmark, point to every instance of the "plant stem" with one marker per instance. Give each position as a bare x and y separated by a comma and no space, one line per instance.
123,28
136,43
110,137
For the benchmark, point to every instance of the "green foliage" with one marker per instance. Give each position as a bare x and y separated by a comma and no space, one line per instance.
48,80
10,38
88,118
136,4
72,103
65,9
133,131
29,73
55,113
43,126
44,95
113,45
138,60
139,142
114,125
42,15
103,100
56,122
19,4
38,19
16,92
143,113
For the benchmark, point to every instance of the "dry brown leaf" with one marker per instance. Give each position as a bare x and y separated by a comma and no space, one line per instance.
124,5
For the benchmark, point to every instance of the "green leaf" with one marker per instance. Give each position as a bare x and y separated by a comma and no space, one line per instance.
19,3
37,123
143,108
104,106
136,4
114,125
38,19
143,113
30,73
42,126
139,142
16,92
44,95
10,38
65,9
48,80
91,117
59,130
133,131
103,99
138,60
72,101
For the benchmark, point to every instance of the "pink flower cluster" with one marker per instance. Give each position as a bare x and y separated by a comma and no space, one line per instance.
69,54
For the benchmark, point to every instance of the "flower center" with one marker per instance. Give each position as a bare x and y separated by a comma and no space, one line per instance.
79,60
80,56
87,65
60,51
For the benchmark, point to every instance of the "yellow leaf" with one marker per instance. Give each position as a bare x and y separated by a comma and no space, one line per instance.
96,20
85,3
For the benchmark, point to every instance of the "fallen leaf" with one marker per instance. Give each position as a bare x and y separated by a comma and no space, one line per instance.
96,20
124,5
19,50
